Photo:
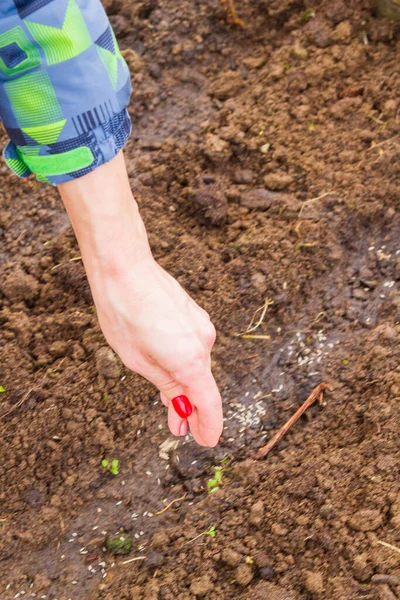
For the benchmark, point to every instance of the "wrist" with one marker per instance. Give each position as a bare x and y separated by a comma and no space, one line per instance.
111,243
106,219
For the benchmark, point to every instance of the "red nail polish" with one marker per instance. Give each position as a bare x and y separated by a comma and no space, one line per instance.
182,406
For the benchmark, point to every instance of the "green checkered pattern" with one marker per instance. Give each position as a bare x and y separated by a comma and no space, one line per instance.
64,87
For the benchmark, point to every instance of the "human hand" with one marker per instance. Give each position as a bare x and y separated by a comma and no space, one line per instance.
146,316
161,333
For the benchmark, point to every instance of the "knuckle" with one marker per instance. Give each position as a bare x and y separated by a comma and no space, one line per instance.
211,334
167,386
192,362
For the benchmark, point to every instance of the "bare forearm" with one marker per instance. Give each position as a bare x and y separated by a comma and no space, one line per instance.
105,218
146,317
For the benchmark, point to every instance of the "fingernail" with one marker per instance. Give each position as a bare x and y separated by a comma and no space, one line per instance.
183,428
182,406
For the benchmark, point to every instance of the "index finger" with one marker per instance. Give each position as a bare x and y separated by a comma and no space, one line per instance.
206,421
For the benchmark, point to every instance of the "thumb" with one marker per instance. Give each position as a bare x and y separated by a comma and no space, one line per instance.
169,390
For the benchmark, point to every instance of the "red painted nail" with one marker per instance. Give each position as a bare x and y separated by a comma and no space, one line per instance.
182,406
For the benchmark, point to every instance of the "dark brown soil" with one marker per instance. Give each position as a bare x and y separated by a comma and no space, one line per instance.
266,164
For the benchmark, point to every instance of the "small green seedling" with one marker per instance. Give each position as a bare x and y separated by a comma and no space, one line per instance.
213,484
2,390
308,14
212,532
121,543
113,467
249,560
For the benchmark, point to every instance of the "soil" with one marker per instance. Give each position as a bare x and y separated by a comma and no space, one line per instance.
266,164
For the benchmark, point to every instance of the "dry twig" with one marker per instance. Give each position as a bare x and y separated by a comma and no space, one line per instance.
303,204
232,13
389,546
160,512
382,143
131,560
252,325
74,259
316,394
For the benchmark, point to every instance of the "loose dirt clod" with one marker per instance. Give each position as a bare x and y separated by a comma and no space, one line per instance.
313,583
201,586
244,574
257,513
107,363
330,121
231,557
366,520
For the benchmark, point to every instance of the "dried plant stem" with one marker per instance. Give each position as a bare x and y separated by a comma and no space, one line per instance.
316,394
160,512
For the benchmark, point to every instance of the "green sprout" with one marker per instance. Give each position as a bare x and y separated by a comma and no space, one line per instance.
2,390
225,461
121,543
113,467
308,14
212,532
213,484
